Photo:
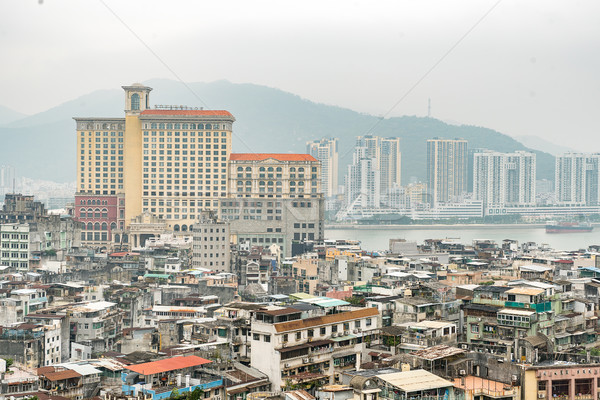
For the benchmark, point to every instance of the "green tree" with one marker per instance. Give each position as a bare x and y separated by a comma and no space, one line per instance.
174,394
196,394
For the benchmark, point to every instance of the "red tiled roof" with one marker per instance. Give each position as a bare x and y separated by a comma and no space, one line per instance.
208,113
168,364
265,156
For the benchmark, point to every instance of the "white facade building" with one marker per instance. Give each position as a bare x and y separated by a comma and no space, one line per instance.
446,169
14,246
326,151
504,179
577,179
284,346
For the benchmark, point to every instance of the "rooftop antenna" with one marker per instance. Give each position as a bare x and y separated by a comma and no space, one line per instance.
429,108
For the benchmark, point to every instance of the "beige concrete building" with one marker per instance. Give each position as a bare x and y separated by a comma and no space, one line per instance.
274,199
170,161
210,246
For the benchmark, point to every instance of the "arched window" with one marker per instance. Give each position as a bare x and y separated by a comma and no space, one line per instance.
104,213
270,169
135,101
90,226
261,183
270,183
89,202
240,169
248,169
125,238
104,226
82,213
279,169
93,202
292,169
184,228
300,169
97,213
262,169
248,183
176,228
292,183
117,238
113,226
207,126
97,226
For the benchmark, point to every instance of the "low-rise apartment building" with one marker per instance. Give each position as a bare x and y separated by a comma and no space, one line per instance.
292,351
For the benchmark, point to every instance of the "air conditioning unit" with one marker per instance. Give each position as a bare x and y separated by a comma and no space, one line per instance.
462,372
465,347
305,360
286,365
346,333
541,395
355,331
311,359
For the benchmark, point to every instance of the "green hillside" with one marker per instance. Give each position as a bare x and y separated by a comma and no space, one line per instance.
267,120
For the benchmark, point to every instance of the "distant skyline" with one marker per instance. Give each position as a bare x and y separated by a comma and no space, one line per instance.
529,68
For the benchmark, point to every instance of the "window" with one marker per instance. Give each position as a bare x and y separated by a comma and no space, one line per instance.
135,101
334,328
369,321
285,337
256,336
474,328
298,335
267,338
323,331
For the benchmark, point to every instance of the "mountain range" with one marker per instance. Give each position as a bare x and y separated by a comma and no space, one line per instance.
42,146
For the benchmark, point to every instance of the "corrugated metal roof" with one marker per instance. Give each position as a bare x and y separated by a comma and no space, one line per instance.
415,380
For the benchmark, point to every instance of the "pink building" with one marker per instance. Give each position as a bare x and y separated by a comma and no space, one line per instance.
103,217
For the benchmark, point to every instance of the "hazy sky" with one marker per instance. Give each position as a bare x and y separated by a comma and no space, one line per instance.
529,68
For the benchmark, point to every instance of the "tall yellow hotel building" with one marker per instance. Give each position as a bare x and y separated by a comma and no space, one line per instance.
170,162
